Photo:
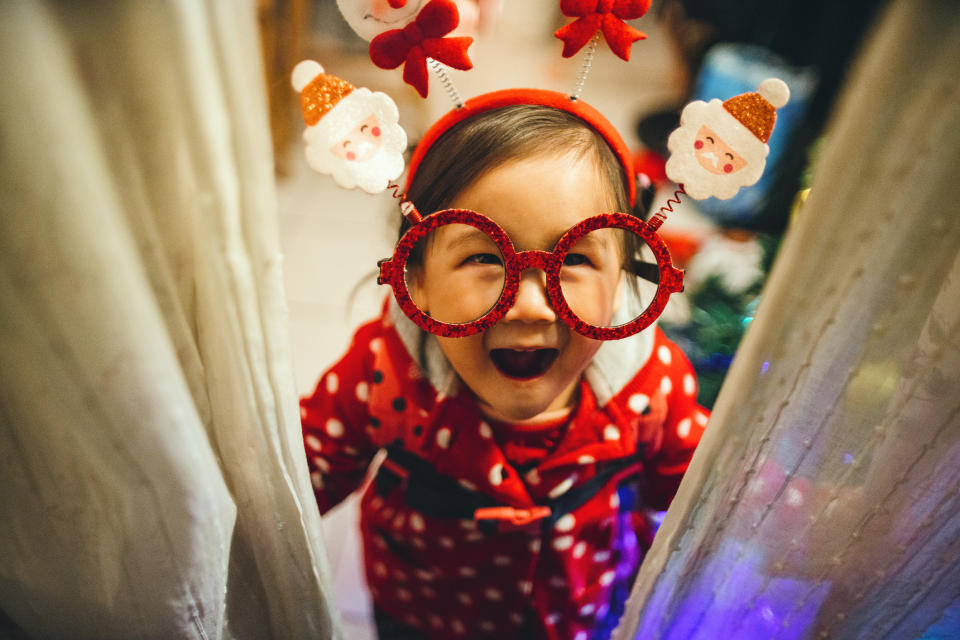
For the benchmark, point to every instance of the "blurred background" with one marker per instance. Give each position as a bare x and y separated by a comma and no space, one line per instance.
696,49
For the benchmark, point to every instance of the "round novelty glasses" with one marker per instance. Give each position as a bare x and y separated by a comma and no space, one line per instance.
456,273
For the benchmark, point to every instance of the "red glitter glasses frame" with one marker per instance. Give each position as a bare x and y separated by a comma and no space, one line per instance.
392,273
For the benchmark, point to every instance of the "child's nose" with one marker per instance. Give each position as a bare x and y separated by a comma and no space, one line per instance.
532,304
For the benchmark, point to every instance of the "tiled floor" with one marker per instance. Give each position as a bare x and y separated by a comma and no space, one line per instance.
332,238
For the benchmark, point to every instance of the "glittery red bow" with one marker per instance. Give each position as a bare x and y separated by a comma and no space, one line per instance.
422,39
605,15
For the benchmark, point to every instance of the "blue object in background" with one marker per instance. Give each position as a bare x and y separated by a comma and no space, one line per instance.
732,69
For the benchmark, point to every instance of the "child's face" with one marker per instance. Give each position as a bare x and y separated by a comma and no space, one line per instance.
530,361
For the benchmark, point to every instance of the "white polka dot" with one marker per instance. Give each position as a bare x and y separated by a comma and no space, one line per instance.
494,475
666,385
375,344
416,522
380,542
317,480
485,430
533,476
614,500
405,595
610,432
638,402
435,621
502,561
399,574
794,497
683,427
563,487
458,627
350,451
467,572
428,592
443,438
565,523
418,542
424,575
387,513
363,391
334,428
487,625
525,587
314,443
399,520
465,599
535,545
558,582
380,569
412,620
516,618
333,382
663,352
603,610
563,543
376,503
447,543
701,418
587,609
601,556
473,536
607,578
466,484
581,635
586,459
689,384
579,549
493,594
321,463
303,413
551,618
469,525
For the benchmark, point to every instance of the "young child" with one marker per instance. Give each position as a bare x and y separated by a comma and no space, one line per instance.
522,460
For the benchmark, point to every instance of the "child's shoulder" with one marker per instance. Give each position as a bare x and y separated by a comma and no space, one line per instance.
666,372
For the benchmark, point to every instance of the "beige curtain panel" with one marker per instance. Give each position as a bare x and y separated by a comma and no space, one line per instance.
152,478
824,501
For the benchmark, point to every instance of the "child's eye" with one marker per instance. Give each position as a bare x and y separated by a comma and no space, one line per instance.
483,258
575,260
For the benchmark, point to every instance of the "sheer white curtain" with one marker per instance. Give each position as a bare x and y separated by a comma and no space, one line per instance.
824,501
152,480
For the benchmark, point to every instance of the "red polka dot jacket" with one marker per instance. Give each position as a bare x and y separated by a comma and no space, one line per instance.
433,566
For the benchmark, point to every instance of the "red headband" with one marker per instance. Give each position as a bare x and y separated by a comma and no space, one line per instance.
509,97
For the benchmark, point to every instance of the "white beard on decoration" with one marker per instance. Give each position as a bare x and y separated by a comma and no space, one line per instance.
686,168
370,18
336,147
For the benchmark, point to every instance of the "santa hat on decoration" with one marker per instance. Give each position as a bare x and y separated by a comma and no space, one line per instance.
329,104
746,121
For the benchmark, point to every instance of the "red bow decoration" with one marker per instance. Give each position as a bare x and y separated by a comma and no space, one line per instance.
605,15
423,38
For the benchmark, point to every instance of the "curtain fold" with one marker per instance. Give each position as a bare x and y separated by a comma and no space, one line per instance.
154,482
824,500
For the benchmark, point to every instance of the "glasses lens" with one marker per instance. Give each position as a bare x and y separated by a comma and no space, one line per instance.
455,274
609,277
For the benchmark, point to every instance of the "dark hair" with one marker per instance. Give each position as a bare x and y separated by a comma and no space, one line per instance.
474,146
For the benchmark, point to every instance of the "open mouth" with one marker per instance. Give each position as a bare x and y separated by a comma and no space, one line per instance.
523,364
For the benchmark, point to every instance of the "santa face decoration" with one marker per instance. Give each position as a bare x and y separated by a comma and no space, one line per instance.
370,18
352,134
722,146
